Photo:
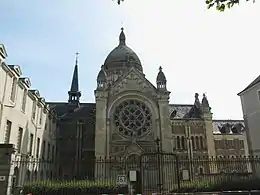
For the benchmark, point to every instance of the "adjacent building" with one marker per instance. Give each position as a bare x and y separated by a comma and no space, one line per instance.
27,122
250,100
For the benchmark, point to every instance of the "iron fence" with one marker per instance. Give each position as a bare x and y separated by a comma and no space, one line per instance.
156,172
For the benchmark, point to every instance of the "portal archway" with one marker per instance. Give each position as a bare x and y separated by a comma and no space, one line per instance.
133,162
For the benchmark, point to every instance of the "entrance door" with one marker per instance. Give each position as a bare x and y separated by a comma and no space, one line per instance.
133,164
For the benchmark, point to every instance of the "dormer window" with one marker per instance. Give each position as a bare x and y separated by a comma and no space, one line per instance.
13,89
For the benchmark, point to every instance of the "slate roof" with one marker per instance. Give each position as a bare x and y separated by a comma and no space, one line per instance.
181,109
218,124
62,109
256,81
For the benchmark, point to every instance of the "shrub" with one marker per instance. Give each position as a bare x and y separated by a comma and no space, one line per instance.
70,187
213,186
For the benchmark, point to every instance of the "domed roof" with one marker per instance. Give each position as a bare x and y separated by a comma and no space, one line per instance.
101,75
122,56
161,77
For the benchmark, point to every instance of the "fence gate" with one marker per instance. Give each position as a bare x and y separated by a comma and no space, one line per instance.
159,172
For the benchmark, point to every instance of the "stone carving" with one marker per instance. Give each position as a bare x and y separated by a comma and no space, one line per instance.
133,81
134,148
116,137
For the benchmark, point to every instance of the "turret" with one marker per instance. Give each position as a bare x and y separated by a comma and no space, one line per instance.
101,78
161,80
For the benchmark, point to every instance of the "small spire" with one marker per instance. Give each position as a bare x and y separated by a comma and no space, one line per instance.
77,57
122,37
205,101
74,93
197,101
160,69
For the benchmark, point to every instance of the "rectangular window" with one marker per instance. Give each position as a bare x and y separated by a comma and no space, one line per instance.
8,131
258,94
24,100
40,114
48,151
31,144
19,139
34,110
178,143
38,147
13,89
52,153
43,149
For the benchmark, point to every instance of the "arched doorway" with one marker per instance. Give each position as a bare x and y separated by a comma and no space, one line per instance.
133,162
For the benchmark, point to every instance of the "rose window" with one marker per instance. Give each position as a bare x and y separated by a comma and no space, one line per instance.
133,118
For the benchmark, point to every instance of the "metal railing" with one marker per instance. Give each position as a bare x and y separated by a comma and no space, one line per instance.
157,172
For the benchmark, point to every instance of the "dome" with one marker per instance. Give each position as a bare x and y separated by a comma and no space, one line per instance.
122,56
161,77
101,76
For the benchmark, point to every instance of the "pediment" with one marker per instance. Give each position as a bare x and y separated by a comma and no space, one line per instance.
26,81
16,69
3,52
133,81
35,92
134,148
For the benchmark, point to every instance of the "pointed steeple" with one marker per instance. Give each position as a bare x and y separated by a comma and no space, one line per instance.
74,93
122,37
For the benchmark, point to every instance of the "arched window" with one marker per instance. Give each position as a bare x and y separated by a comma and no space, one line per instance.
183,142
201,142
28,175
192,142
201,170
197,143
178,142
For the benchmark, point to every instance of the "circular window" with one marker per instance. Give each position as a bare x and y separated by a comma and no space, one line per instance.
133,118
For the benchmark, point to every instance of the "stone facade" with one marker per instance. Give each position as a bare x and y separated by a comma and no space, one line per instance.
128,115
26,122
250,101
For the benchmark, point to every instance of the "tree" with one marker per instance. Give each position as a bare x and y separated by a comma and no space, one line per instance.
220,5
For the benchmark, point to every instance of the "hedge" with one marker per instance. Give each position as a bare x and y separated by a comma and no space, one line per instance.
70,187
110,187
213,186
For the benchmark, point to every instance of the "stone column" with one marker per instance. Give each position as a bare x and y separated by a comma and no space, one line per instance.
209,134
101,133
101,124
207,116
165,126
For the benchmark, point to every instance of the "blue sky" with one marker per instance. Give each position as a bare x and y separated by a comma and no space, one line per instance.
200,50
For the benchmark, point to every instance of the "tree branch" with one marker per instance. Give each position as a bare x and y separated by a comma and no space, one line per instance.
220,5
